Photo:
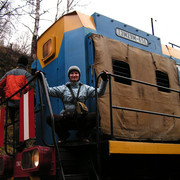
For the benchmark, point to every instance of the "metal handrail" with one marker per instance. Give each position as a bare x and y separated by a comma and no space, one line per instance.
60,169
147,112
145,83
133,109
98,129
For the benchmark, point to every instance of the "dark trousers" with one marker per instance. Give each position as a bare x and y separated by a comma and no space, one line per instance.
14,117
83,124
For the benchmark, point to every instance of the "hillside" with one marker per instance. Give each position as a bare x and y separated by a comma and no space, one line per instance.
8,60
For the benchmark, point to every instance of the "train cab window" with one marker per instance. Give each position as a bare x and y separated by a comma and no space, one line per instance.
162,79
48,49
122,69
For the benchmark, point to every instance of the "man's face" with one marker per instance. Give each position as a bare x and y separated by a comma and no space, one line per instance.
74,76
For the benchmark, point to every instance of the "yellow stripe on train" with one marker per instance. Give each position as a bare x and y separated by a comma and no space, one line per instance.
124,147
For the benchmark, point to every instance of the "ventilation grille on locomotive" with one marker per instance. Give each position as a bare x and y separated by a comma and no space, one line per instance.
122,69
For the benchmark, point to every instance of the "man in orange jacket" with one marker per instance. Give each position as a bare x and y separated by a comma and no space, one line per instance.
10,83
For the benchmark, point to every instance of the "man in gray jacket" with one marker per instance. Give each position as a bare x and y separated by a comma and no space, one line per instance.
10,83
71,93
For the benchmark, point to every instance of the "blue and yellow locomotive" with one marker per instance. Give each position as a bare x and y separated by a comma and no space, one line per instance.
137,136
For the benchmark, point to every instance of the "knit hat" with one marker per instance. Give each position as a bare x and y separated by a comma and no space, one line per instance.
74,68
23,60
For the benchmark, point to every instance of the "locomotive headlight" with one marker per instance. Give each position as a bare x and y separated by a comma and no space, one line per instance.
6,165
36,159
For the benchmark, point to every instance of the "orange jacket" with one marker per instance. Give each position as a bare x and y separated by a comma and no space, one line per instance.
12,81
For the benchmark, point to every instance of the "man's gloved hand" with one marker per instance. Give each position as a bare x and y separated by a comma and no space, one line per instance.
104,75
38,73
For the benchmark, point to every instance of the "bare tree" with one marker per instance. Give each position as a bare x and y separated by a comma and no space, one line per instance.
31,10
22,43
36,28
71,4
57,9
68,6
7,15
35,13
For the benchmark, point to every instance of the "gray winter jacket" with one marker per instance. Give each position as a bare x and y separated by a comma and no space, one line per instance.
85,92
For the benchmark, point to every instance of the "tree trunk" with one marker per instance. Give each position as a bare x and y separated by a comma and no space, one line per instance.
36,28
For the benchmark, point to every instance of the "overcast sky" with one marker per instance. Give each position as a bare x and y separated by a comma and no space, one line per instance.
137,13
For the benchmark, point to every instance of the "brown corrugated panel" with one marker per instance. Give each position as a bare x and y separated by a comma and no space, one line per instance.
143,65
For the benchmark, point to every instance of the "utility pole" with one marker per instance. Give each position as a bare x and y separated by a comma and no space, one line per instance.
152,26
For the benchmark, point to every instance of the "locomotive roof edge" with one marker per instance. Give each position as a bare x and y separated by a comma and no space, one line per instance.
111,28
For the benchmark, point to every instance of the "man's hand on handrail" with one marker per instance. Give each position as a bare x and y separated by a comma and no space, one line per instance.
104,75
38,74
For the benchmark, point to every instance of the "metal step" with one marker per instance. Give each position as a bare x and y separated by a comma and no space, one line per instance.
77,161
